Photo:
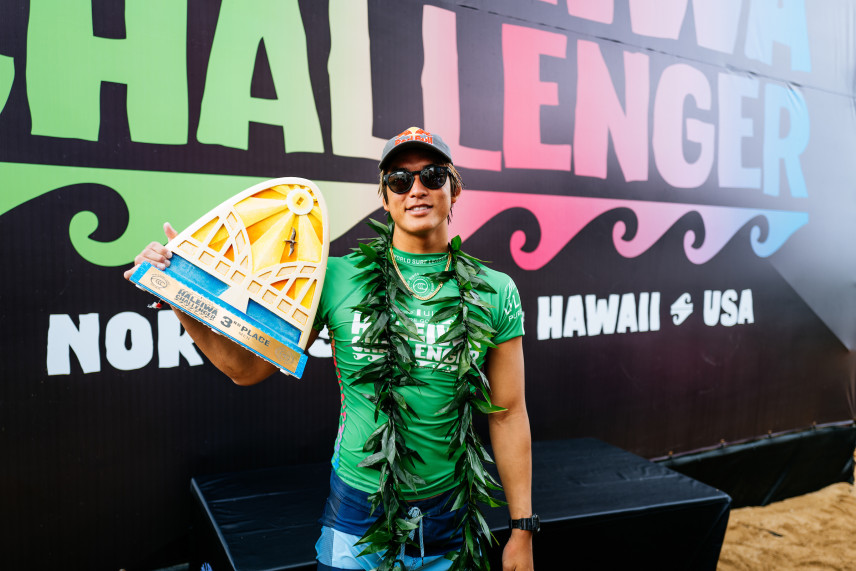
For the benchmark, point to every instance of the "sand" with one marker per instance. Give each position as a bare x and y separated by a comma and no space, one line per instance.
814,531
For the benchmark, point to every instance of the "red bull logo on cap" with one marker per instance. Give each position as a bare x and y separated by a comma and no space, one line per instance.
414,134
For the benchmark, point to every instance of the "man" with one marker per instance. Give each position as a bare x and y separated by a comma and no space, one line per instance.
418,187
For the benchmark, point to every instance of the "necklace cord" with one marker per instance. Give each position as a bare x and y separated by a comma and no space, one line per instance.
413,293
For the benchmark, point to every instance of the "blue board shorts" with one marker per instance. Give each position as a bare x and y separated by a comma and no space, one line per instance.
347,516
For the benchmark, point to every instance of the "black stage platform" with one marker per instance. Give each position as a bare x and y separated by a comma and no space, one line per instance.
601,508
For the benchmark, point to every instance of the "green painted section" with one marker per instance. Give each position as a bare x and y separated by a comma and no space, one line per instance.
154,197
7,77
66,65
228,108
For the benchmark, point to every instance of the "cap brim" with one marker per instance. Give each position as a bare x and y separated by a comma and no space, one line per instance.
411,145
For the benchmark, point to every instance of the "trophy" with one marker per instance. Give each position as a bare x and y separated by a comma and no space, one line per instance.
252,269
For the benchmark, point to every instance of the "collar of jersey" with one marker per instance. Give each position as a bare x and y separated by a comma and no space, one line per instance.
420,260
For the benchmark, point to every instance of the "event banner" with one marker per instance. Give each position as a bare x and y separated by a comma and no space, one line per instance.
668,182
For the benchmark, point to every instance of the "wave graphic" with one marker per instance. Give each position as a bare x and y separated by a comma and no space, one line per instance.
561,218
180,197
153,197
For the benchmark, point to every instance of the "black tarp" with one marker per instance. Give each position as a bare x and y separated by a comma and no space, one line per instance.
600,507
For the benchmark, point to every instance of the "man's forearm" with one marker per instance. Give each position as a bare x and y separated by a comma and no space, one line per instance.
240,365
512,447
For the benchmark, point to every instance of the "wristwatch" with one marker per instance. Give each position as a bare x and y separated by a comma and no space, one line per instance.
532,524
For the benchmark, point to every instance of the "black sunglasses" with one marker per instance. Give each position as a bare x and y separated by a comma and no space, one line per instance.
400,181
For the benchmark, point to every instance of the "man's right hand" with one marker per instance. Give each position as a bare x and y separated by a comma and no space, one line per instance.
155,253
239,364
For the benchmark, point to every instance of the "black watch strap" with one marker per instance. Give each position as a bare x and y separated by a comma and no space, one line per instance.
532,524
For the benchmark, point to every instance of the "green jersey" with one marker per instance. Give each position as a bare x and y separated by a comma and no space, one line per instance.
425,433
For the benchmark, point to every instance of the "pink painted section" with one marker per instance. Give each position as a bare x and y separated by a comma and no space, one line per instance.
441,99
717,23
595,10
525,93
721,224
657,18
654,219
599,114
561,218
559,223
678,83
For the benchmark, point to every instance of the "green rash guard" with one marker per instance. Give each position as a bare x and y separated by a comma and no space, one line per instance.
427,432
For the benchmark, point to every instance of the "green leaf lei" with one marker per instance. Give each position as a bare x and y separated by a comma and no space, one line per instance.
383,306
